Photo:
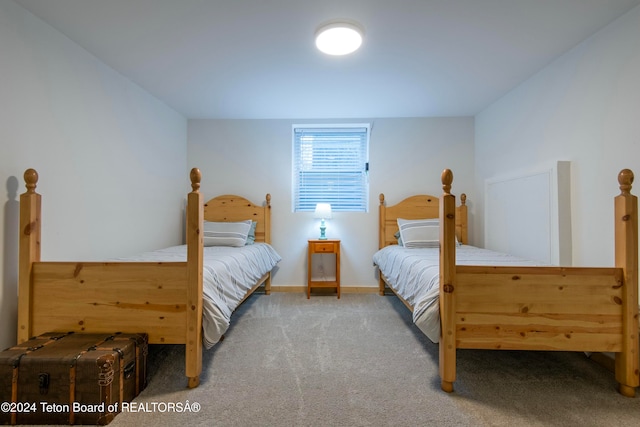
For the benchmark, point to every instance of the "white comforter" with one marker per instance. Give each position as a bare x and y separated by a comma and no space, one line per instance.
414,275
229,273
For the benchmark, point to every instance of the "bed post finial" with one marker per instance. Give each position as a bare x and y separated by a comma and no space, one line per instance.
625,179
195,176
381,197
31,179
447,179
268,199
463,199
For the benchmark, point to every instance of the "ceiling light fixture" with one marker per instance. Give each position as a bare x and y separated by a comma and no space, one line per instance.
339,37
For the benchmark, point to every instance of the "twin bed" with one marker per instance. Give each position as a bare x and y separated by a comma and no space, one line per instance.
179,295
465,297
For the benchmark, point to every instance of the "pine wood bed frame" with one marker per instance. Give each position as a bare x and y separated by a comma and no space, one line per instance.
163,299
587,309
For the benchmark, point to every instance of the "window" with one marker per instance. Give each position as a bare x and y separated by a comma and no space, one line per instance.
330,165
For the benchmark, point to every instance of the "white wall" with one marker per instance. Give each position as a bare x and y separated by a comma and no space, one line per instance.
585,108
253,157
111,158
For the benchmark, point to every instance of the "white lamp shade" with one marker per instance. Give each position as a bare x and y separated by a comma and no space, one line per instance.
323,211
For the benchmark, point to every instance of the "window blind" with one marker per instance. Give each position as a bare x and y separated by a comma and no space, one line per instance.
330,166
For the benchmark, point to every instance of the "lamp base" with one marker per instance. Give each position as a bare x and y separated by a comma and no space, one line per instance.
322,230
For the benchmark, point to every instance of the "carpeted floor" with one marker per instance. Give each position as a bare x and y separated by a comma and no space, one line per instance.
360,361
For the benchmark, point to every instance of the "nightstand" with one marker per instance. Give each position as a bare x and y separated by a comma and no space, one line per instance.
328,246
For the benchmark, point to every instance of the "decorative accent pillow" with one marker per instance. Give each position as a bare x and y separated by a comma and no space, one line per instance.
397,236
419,233
251,237
226,233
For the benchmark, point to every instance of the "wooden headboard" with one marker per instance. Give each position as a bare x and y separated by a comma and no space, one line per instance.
230,207
417,207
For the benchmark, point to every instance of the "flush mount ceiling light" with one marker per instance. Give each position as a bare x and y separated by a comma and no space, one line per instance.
339,37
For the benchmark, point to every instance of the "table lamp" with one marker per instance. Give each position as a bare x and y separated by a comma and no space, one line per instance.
323,211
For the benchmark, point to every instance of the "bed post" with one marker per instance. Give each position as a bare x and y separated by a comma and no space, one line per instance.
462,220
30,205
267,238
267,219
626,238
382,221
195,218
447,284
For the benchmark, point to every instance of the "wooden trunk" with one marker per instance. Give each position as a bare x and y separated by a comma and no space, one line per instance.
71,378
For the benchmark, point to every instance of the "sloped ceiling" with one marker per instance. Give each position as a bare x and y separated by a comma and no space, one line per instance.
256,58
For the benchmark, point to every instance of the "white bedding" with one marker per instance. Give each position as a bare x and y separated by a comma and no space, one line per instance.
414,275
229,273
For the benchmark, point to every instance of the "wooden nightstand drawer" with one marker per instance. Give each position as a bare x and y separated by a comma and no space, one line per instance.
328,247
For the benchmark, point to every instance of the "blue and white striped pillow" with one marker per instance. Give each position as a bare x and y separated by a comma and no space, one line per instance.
419,233
226,233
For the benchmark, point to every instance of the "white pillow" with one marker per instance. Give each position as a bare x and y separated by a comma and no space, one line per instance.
419,233
226,233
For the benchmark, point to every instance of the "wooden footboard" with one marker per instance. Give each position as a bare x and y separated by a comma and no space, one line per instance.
107,297
539,308
163,299
542,308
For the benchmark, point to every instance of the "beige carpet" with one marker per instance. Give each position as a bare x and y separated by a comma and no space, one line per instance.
359,361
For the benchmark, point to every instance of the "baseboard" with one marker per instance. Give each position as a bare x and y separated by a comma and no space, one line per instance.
359,290
343,289
293,289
